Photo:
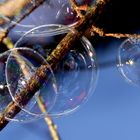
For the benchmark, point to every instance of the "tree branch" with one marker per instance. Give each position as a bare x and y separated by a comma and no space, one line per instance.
52,127
55,57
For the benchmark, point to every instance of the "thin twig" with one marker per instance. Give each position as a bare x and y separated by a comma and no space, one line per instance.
52,127
101,33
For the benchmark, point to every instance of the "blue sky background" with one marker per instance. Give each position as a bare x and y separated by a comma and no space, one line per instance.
112,113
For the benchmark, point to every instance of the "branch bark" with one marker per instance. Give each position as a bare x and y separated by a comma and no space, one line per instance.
55,57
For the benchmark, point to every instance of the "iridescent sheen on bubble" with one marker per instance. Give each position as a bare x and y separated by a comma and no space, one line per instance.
129,60
51,12
76,75
20,67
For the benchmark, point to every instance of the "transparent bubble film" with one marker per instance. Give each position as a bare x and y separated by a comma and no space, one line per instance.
76,74
51,12
129,60
20,66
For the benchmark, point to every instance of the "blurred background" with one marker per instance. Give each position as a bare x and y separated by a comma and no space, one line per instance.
113,111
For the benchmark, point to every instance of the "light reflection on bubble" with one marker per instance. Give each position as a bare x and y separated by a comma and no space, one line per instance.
76,75
51,12
129,60
5,97
20,67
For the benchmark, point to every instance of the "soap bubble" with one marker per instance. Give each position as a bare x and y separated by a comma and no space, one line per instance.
21,65
77,73
129,60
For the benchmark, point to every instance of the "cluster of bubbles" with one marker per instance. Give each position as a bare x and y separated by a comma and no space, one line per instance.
73,80
68,86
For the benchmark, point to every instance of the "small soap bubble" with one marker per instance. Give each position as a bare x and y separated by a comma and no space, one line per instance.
129,60
21,65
